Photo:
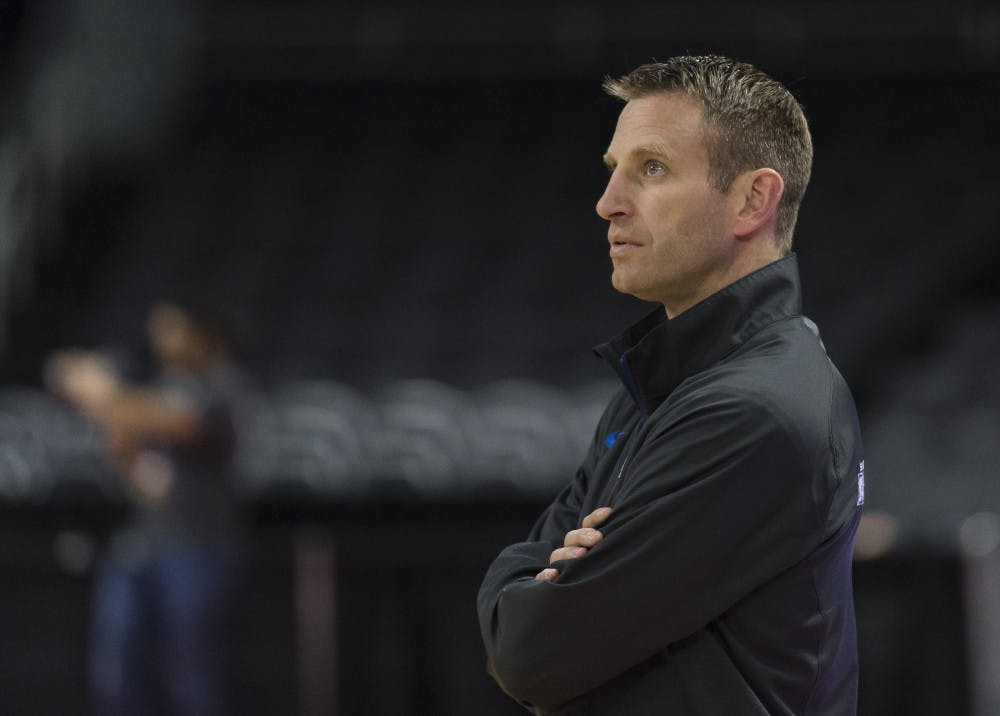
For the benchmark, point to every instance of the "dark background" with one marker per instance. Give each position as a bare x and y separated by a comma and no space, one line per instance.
390,191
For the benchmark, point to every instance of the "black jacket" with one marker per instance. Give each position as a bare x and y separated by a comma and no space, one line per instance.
733,461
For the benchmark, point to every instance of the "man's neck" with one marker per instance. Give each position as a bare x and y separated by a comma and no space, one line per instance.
753,257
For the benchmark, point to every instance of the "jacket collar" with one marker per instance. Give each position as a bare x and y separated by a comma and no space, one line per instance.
653,356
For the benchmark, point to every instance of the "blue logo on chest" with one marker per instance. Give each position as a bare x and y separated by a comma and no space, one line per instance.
613,436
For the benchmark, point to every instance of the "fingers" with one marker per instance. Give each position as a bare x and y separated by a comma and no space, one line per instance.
597,517
583,537
567,553
577,542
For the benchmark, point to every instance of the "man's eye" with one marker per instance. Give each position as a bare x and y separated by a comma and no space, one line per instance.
654,168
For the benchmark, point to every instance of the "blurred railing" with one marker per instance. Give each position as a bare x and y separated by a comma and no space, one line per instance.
323,439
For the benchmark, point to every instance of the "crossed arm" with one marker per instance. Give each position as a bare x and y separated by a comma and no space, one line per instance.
715,506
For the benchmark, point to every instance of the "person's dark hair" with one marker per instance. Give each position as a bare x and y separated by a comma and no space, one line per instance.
209,315
750,121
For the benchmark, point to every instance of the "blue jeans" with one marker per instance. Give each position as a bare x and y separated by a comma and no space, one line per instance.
157,639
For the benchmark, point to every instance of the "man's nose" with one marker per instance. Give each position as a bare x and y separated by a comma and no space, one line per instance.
613,201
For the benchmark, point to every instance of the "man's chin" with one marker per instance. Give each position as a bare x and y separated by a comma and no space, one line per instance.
630,288
620,282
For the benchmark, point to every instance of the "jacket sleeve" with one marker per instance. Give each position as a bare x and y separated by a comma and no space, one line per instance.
713,505
522,561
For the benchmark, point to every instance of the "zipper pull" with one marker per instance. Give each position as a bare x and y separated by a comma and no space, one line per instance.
621,470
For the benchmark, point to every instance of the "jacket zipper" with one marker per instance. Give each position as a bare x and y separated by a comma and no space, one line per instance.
616,486
629,381
629,454
633,389
621,470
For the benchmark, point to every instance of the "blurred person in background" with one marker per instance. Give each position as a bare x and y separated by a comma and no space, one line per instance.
167,580
700,561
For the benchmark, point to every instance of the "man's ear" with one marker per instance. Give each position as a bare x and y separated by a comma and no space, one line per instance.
757,194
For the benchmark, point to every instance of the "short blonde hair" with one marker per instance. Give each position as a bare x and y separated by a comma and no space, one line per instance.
750,121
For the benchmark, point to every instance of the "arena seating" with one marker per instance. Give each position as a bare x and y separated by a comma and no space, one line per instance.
322,440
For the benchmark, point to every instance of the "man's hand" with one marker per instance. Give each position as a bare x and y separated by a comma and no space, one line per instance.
577,542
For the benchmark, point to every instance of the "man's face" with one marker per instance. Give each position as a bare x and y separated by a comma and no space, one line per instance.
670,231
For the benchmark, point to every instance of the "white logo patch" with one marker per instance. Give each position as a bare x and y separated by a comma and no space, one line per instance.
861,483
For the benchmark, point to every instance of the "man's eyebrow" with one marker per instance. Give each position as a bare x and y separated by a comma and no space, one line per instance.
652,148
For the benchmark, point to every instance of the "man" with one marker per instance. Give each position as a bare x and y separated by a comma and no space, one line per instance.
700,561
164,588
